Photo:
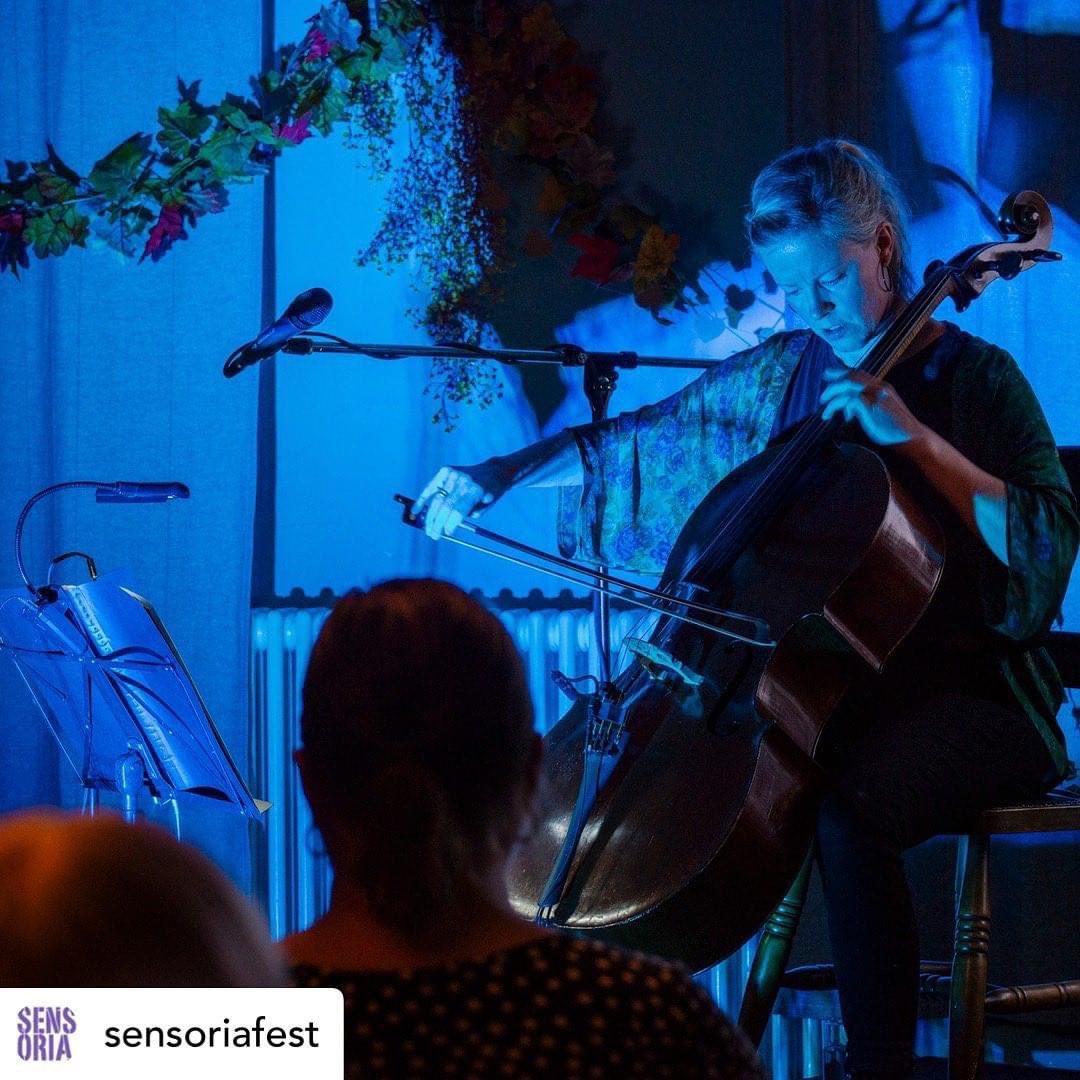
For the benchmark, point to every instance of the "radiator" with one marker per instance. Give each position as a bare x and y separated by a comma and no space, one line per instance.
293,873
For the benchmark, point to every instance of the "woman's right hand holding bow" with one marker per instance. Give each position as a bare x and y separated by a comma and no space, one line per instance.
459,491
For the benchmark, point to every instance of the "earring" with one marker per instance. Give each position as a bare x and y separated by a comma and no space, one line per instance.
885,277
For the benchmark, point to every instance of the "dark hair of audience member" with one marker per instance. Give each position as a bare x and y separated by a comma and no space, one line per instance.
98,902
419,754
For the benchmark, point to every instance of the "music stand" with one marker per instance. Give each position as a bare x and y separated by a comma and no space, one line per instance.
118,697
115,692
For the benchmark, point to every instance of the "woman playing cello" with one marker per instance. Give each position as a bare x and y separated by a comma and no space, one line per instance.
964,715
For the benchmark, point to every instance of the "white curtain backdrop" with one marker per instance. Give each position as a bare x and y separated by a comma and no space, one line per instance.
112,370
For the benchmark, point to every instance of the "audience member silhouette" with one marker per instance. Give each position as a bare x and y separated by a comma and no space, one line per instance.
98,902
420,763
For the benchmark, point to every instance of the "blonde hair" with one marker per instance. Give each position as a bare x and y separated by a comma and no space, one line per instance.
835,185
98,902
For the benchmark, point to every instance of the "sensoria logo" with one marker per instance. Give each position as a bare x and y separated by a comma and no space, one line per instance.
45,1032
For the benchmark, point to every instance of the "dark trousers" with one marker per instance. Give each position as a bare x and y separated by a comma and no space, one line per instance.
905,771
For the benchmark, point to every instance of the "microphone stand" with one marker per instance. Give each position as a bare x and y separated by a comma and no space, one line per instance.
604,742
600,371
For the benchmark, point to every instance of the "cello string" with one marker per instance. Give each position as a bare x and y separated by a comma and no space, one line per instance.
788,460
792,458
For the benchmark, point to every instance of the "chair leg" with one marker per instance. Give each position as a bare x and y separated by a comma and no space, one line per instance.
770,959
971,957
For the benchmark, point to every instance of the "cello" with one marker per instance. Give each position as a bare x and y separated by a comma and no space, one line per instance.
680,798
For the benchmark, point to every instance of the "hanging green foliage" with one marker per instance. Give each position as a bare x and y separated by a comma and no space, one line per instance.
495,82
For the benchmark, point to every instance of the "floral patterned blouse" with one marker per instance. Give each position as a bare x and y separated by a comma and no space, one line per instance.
553,1009
645,472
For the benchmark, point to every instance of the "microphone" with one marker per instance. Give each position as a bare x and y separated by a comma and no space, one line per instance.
306,311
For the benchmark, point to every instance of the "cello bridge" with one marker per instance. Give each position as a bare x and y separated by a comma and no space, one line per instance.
660,665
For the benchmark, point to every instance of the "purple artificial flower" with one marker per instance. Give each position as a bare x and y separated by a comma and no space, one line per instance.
296,131
318,45
169,229
12,245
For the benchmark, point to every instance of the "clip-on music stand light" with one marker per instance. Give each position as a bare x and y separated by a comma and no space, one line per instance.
114,690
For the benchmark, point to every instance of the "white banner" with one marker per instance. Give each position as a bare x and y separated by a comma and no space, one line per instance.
117,1034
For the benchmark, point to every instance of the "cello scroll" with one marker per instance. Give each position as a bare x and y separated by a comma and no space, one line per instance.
1025,214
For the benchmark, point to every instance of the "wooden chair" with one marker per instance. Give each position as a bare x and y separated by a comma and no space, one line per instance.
960,989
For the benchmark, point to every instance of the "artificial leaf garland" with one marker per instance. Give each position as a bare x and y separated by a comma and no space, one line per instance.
141,196
481,85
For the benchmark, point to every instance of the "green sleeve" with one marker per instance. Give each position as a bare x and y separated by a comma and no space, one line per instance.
1014,442
646,471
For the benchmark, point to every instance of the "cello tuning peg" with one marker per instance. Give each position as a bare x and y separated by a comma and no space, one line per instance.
931,269
1012,263
1008,265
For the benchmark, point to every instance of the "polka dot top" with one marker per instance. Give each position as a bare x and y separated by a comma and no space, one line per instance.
554,1007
